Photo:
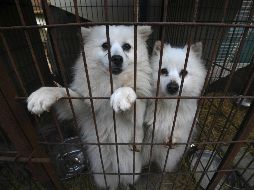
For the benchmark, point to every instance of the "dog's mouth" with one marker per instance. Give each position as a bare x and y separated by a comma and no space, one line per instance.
116,70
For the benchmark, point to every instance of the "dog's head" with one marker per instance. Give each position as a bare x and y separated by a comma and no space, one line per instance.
172,69
121,45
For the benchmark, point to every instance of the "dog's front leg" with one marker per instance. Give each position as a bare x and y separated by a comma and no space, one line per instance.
42,99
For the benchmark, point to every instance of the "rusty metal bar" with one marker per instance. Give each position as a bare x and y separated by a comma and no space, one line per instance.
210,68
6,46
195,11
162,33
112,90
24,159
135,17
244,131
143,143
112,86
29,42
38,70
20,98
235,165
236,58
211,104
90,91
106,10
62,69
159,173
19,127
195,24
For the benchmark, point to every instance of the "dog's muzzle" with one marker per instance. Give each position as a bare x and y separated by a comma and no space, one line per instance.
117,63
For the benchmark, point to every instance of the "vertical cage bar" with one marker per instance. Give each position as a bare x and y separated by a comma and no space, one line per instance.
136,19
215,51
162,36
112,87
90,91
29,42
195,11
135,16
28,39
210,72
6,46
15,113
236,59
62,70
244,131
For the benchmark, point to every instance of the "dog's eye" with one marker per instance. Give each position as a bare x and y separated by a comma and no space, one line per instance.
105,46
164,71
183,73
126,47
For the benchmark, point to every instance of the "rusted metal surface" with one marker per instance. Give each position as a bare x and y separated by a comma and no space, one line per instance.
23,135
90,94
86,24
24,159
162,38
19,98
242,134
19,127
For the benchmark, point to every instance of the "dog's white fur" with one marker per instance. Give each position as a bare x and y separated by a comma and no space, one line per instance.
121,100
173,60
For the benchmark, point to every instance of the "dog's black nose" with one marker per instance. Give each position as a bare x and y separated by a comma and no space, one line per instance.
117,60
172,87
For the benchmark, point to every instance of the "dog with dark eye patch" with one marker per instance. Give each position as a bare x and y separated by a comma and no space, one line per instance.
171,74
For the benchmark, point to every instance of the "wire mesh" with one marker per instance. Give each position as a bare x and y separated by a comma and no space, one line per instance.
52,42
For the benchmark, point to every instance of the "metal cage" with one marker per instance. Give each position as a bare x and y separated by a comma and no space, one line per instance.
40,41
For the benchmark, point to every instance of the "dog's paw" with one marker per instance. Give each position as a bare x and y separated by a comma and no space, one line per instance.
42,99
122,99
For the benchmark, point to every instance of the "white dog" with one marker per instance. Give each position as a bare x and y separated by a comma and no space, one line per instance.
122,60
171,73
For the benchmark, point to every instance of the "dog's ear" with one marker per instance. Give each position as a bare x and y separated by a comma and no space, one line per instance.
197,49
85,32
144,31
157,48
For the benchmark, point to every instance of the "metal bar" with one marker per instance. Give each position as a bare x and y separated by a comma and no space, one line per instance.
135,16
24,159
244,131
111,85
195,11
162,33
236,58
34,60
19,127
211,103
106,10
20,98
225,128
159,173
90,93
235,165
195,24
206,119
6,46
62,69
143,143
112,89
29,42
214,53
